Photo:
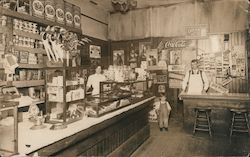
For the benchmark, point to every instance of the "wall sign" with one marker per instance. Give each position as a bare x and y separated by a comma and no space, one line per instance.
178,43
94,51
196,32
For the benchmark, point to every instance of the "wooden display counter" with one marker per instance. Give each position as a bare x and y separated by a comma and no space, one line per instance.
220,105
115,134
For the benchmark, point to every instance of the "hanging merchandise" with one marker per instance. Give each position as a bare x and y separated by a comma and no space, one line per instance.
47,46
77,16
60,43
50,10
59,5
38,8
69,14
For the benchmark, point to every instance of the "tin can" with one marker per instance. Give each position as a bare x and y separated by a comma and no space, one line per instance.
59,5
68,14
38,8
50,10
77,16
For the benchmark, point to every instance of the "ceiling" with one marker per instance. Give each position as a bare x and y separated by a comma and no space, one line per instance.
107,5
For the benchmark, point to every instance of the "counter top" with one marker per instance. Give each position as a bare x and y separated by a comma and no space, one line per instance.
226,96
32,140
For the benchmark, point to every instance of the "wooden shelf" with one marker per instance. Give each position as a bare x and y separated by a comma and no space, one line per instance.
31,50
29,83
27,34
75,101
36,103
160,82
156,68
27,17
30,66
66,68
3,83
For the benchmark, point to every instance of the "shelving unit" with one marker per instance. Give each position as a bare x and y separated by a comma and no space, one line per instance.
28,83
159,76
33,49
27,17
31,66
64,101
27,34
30,50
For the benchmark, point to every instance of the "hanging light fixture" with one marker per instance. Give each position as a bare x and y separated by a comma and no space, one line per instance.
124,6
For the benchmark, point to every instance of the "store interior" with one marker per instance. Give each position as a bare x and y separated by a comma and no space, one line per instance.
91,78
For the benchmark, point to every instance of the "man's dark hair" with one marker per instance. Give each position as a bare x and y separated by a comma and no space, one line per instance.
97,65
194,61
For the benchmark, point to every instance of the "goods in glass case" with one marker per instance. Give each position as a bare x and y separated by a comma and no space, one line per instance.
116,95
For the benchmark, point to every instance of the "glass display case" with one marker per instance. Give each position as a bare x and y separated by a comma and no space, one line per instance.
8,128
65,91
116,95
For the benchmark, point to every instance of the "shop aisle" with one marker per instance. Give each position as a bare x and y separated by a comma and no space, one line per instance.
177,143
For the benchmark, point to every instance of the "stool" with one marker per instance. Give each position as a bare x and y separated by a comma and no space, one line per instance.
202,120
240,122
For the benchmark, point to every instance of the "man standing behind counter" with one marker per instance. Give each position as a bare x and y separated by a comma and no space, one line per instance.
95,79
195,80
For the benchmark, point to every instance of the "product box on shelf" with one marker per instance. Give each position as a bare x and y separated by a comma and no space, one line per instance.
32,59
68,14
16,53
59,7
23,6
77,16
23,57
10,4
50,10
40,59
38,8
22,75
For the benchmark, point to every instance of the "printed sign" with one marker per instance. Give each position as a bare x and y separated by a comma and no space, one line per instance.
196,32
94,51
218,88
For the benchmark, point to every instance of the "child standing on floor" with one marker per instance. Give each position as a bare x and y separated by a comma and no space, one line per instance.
163,112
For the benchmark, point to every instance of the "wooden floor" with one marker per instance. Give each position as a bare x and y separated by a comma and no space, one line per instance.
178,143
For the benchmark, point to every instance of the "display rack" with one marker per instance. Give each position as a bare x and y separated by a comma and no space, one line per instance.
65,91
11,32
116,95
159,76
